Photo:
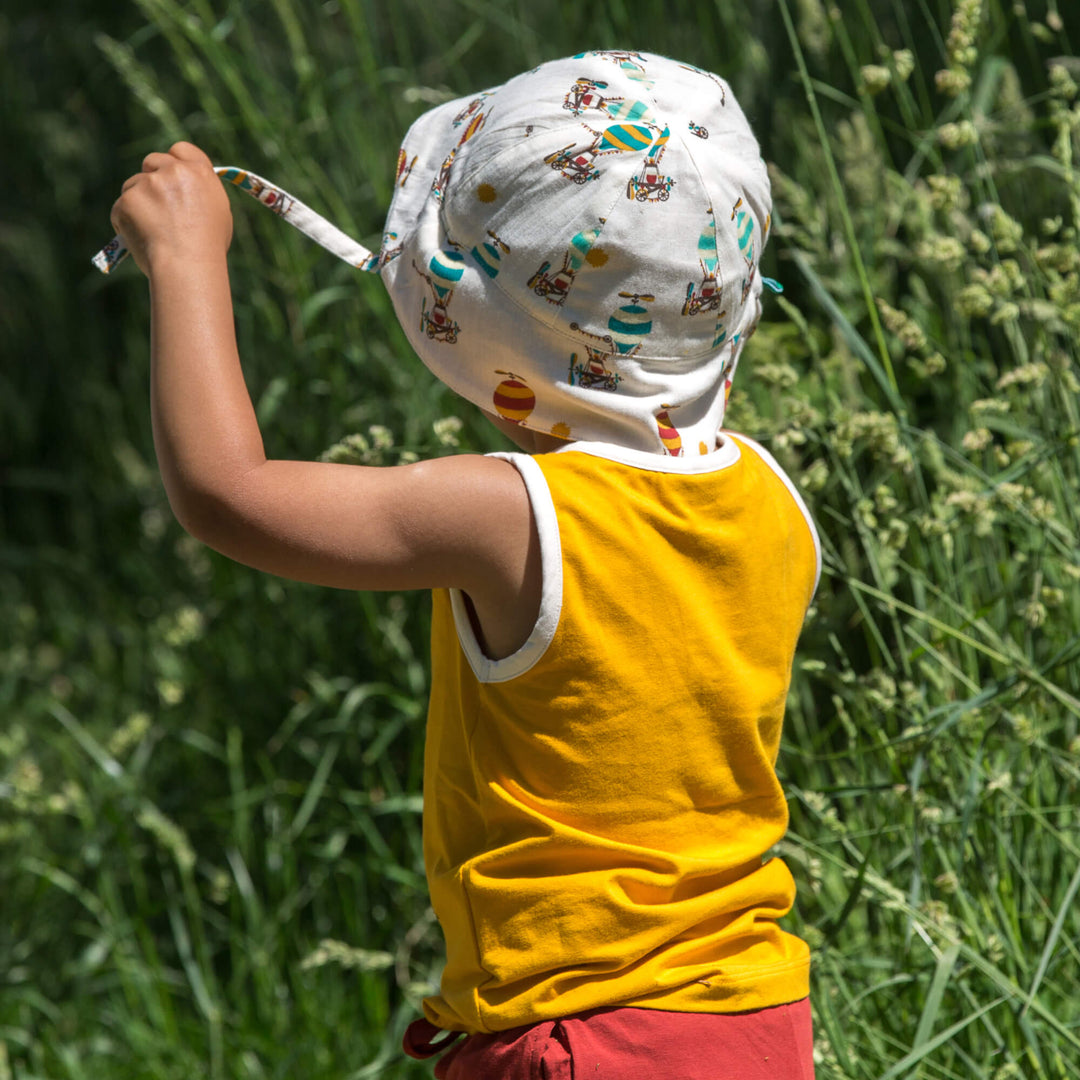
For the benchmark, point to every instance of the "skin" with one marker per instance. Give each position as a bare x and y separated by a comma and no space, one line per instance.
462,521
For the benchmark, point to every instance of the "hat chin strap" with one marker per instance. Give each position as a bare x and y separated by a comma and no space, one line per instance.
286,206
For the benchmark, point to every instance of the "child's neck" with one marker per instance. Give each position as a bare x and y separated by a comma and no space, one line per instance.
532,442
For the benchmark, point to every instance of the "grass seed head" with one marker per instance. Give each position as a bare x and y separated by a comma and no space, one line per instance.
168,834
956,134
904,59
875,77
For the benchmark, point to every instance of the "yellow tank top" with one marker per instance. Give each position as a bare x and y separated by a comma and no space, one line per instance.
597,806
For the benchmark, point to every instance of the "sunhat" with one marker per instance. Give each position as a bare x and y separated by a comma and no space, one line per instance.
575,251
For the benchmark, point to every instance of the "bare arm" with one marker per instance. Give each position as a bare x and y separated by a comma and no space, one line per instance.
462,521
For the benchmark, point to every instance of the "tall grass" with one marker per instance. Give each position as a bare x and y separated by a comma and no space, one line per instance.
209,780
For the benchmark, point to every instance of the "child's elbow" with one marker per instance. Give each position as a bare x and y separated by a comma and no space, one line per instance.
199,514
239,518
206,514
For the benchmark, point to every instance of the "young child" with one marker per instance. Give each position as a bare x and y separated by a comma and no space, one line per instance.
615,611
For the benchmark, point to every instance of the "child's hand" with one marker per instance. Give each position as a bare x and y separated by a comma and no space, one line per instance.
176,208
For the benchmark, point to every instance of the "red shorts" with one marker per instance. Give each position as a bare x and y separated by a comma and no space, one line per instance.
631,1044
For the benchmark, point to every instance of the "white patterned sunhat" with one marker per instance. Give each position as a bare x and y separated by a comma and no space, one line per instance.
577,250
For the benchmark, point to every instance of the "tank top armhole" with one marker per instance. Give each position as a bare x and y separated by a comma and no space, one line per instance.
775,466
483,667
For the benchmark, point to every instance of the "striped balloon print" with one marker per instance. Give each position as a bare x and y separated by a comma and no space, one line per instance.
744,228
671,439
642,78
629,111
707,246
628,326
446,270
622,137
512,399
721,330
661,142
488,258
475,124
580,245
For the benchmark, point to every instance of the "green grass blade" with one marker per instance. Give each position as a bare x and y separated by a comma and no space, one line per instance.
921,1051
314,790
849,227
942,974
104,760
1064,910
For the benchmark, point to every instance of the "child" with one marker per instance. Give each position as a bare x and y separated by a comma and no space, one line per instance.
615,611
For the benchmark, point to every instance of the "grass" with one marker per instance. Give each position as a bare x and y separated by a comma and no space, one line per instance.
209,780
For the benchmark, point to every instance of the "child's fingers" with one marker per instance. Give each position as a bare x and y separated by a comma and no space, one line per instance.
174,203
117,217
186,151
154,161
182,151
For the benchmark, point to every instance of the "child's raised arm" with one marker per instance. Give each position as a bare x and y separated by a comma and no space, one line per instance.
461,521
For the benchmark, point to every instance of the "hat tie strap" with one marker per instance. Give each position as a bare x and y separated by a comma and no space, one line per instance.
286,206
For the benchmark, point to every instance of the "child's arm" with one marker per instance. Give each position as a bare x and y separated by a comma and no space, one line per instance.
461,521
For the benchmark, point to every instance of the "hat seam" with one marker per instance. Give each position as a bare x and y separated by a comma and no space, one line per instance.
564,331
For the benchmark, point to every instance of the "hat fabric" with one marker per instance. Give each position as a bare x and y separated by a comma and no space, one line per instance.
576,250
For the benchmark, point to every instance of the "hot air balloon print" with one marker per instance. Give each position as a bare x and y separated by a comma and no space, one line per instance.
623,58
470,109
585,94
627,328
669,436
404,167
618,138
475,124
650,184
632,64
630,112
513,400
555,287
579,164
438,185
488,256
388,252
707,295
277,200
445,271
744,230
720,332
631,323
